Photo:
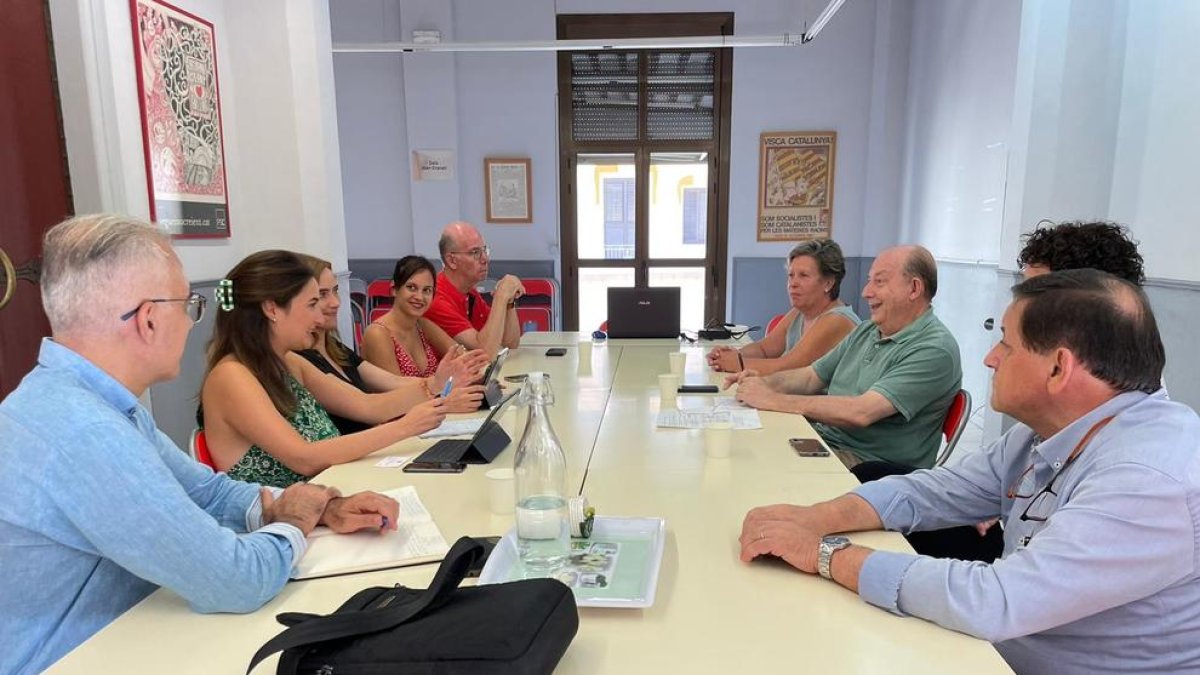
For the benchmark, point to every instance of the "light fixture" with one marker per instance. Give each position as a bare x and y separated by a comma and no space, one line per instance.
699,42
822,19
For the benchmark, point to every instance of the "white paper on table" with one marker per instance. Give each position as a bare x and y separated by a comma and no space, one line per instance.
416,540
466,427
393,462
698,418
729,403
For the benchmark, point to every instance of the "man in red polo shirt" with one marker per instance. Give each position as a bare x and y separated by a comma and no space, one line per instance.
459,309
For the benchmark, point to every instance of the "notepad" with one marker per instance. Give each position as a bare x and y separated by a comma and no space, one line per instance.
416,540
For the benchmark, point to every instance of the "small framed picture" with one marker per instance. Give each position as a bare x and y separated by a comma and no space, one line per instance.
508,192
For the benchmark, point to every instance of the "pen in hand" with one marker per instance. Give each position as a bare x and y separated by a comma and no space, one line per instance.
449,385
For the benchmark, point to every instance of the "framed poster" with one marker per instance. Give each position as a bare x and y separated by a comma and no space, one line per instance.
508,192
795,185
178,93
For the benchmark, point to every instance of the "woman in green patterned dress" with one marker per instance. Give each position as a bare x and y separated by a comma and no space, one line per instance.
262,422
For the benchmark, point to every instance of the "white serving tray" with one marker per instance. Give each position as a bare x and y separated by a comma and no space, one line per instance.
503,564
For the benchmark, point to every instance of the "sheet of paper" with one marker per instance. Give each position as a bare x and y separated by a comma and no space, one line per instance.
464,427
727,403
697,418
416,540
393,462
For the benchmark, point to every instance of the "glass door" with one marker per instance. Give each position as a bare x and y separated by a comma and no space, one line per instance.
641,135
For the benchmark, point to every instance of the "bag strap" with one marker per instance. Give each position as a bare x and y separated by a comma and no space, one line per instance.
465,552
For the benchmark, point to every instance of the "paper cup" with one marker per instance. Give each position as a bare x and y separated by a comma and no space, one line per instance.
718,439
501,494
668,385
677,361
585,358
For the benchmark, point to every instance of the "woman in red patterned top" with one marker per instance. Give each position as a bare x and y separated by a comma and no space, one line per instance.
400,341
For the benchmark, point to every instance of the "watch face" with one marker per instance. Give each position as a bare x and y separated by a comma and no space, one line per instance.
837,541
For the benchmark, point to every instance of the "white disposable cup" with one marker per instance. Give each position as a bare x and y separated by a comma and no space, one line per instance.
718,439
585,358
501,495
668,384
677,360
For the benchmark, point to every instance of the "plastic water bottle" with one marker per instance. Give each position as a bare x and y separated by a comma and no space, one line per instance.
543,538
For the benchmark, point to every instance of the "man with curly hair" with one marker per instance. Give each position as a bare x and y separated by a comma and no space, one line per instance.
1078,245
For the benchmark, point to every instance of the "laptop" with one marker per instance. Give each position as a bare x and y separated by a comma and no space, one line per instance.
643,312
489,440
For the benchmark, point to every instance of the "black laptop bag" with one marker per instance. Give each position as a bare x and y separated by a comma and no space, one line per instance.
519,627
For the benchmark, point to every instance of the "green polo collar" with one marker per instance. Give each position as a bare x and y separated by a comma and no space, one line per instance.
905,334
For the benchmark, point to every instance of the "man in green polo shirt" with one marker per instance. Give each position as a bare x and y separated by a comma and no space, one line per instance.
889,383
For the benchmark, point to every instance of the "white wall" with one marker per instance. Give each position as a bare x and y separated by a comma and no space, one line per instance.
505,104
281,144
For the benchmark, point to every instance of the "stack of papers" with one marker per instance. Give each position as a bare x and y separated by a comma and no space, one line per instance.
416,540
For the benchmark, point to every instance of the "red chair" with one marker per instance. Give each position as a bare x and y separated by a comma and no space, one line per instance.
541,292
379,312
538,316
955,423
379,294
199,449
774,322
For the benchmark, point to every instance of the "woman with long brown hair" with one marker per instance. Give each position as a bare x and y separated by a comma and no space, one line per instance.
335,359
261,415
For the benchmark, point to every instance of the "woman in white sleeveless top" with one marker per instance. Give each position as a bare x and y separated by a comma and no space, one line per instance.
816,322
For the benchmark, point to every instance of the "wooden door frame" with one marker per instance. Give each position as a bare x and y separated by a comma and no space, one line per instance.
600,26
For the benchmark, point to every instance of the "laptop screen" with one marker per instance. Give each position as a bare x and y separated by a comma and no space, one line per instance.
643,312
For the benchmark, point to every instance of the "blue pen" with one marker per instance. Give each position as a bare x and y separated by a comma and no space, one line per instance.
446,389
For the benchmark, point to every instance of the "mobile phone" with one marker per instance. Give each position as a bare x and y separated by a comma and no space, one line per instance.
697,389
434,467
556,351
808,447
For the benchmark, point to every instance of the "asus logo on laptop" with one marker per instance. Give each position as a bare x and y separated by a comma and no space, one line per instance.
644,303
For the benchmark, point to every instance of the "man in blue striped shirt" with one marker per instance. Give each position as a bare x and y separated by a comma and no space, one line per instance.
98,508
1098,488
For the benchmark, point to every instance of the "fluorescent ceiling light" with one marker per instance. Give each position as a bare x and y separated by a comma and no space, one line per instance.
784,40
822,19
702,42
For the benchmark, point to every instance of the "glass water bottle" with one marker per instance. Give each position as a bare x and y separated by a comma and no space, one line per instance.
543,538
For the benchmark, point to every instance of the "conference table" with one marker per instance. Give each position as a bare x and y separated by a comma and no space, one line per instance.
712,614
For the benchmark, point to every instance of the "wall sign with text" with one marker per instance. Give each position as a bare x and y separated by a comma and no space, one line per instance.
795,185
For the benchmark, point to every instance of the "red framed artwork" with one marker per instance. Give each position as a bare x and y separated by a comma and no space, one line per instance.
179,96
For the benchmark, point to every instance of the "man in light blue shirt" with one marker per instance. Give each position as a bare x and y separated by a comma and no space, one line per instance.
1098,488
98,507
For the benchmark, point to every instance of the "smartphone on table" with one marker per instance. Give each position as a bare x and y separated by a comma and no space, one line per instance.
808,447
556,351
434,467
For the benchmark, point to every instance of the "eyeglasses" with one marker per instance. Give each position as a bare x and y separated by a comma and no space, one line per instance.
1038,501
194,307
479,252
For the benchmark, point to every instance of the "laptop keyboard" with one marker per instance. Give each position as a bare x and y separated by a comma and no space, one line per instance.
445,451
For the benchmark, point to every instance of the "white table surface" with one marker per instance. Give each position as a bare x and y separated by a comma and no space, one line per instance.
712,614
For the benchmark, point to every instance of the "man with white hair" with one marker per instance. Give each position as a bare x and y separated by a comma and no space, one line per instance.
98,507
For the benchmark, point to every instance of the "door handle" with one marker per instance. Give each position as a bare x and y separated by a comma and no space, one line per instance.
10,278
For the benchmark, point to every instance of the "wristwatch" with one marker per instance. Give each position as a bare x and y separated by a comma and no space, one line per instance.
829,545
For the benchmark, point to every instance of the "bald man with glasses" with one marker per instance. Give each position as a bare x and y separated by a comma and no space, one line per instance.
459,309
1098,488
